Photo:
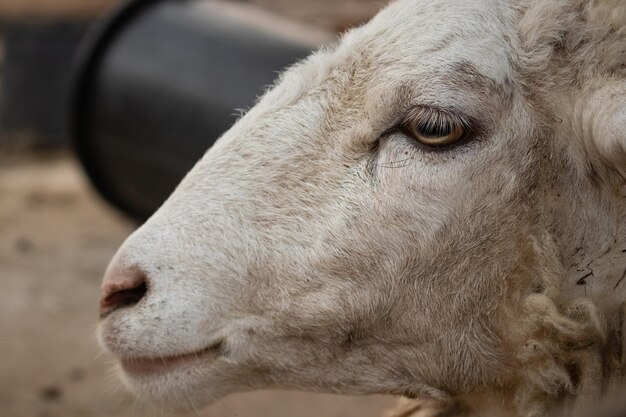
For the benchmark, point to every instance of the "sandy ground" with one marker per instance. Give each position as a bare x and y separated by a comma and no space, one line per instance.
56,238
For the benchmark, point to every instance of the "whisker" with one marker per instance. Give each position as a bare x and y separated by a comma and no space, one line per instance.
226,407
395,164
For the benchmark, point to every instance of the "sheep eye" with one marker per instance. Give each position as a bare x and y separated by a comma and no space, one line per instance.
434,128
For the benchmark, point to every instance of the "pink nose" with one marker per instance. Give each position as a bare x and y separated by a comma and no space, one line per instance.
122,288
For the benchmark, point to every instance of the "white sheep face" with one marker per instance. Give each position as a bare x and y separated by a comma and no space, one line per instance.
318,246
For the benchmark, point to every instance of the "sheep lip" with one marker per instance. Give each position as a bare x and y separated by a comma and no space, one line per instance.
138,366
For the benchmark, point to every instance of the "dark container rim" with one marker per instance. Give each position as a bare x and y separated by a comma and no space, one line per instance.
89,56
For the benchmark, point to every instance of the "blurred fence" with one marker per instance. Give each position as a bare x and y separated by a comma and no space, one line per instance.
38,41
36,77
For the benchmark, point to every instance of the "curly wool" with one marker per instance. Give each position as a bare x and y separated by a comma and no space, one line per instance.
562,359
571,40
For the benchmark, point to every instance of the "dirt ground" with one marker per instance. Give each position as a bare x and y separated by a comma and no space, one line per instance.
56,237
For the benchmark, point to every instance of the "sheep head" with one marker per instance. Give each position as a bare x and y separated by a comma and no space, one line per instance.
414,211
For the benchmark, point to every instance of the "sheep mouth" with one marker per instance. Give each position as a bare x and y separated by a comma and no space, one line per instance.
146,366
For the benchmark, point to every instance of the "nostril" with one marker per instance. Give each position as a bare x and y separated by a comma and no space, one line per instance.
124,291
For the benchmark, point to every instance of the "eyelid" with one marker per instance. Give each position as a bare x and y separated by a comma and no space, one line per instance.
425,112
470,124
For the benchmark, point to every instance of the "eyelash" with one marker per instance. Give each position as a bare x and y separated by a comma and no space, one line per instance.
425,114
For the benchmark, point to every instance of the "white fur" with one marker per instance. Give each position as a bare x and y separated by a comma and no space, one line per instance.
327,252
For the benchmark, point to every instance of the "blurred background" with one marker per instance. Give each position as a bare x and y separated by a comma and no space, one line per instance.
58,232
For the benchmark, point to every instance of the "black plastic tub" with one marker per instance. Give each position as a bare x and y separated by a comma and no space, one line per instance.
157,83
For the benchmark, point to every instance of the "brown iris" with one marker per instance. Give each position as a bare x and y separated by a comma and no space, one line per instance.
432,127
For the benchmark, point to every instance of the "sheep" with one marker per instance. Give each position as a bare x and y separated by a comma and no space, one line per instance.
433,208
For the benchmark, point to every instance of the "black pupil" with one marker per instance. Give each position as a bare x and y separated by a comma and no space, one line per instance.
433,129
